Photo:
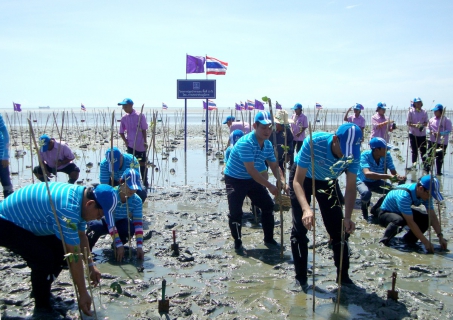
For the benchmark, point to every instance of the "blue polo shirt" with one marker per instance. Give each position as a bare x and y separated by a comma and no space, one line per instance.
400,201
135,205
327,166
4,140
29,208
367,161
129,161
247,149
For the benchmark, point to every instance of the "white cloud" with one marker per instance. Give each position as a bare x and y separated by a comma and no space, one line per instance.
352,6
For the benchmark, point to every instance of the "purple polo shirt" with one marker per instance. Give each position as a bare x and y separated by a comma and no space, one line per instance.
415,116
238,126
299,123
359,121
444,130
378,131
50,156
129,123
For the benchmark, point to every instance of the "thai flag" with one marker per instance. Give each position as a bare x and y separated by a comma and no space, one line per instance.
242,106
17,107
211,105
164,106
318,105
250,105
278,105
215,66
82,107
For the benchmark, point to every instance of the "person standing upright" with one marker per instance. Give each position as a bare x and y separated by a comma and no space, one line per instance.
417,120
300,123
439,128
135,141
357,118
380,124
4,156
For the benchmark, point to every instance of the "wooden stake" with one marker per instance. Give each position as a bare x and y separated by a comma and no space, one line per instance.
313,187
337,305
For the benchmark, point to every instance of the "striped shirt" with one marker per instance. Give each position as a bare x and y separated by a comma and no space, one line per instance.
129,124
327,165
227,153
360,121
367,161
129,161
247,149
30,209
4,140
400,201
136,210
415,116
50,156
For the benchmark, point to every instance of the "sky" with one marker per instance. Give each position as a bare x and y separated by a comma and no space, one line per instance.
337,53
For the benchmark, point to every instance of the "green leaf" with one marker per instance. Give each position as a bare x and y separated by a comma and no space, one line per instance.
115,286
265,98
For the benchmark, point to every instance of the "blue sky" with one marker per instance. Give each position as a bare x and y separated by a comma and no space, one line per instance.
62,53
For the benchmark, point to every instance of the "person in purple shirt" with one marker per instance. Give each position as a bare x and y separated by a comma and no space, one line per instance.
300,123
57,157
439,128
417,121
238,125
135,141
380,124
357,118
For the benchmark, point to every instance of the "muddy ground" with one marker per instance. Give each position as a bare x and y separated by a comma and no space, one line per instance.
208,279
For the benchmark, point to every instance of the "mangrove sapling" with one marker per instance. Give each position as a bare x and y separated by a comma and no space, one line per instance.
60,134
88,275
337,304
313,187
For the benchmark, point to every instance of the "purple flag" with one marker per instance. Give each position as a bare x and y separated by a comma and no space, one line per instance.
195,64
17,107
237,107
278,105
259,105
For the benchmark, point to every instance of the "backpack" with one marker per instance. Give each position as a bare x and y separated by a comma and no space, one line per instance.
376,208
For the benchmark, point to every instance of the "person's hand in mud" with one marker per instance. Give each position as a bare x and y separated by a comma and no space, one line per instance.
5,163
307,219
349,225
95,276
85,303
429,246
120,253
140,253
443,243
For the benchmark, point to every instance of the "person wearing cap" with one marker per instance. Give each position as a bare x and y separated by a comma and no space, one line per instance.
127,198
298,126
373,172
439,128
380,124
135,141
281,130
333,155
121,162
396,212
29,229
234,137
236,125
243,178
57,157
357,118
417,121
4,157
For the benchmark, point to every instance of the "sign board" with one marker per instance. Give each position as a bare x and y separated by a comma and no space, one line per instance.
195,89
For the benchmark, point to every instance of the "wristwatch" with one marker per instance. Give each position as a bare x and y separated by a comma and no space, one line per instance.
440,234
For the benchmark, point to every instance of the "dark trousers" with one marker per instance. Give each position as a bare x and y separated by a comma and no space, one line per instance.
98,228
332,215
43,254
297,145
394,222
237,190
439,156
417,143
68,170
5,179
141,157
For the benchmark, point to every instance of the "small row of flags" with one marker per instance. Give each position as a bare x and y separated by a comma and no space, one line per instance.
195,64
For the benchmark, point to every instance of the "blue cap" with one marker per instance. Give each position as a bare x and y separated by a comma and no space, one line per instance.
382,105
434,187
132,179
418,99
378,142
438,107
229,118
263,117
116,158
297,106
106,196
235,136
350,136
126,101
44,142
358,106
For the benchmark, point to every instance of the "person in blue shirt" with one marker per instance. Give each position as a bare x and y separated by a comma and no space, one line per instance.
28,228
333,155
234,137
243,178
126,226
121,162
4,157
396,212
371,176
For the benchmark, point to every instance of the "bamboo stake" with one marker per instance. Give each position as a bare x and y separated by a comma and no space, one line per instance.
408,136
386,135
87,273
313,187
337,305
59,146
